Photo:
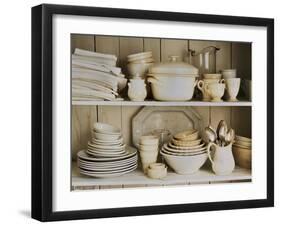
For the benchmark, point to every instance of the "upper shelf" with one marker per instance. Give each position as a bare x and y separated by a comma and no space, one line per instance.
162,103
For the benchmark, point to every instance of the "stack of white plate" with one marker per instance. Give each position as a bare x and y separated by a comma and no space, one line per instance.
107,155
186,152
242,151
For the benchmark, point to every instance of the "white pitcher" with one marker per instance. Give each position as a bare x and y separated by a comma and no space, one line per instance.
223,161
137,89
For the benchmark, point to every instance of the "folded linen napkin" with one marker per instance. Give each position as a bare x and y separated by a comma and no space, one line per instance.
98,67
83,52
105,61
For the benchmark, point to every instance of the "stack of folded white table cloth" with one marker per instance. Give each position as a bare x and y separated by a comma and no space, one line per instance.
95,76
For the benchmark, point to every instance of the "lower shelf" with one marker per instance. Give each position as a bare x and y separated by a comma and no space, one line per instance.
138,179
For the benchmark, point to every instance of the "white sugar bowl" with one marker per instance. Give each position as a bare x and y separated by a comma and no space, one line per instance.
137,89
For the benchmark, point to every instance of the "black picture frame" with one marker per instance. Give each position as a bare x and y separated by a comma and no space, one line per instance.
42,111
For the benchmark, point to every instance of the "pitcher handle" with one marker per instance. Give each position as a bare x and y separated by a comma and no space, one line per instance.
200,85
209,152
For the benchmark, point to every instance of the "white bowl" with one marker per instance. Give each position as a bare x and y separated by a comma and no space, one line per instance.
183,143
139,56
185,164
107,137
106,128
149,140
187,135
212,76
156,173
242,156
138,69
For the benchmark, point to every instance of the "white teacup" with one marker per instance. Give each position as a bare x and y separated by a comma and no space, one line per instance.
215,91
232,88
201,85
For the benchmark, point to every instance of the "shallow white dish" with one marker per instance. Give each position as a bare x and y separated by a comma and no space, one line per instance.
106,128
109,164
107,137
185,164
106,147
109,143
106,155
83,155
106,175
107,169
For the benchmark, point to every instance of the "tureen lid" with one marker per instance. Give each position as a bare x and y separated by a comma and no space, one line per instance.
173,67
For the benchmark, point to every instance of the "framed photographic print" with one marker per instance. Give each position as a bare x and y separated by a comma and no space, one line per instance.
147,112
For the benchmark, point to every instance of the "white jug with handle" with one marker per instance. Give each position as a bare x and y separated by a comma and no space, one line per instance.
223,161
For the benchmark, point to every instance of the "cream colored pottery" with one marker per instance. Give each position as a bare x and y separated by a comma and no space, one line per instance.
177,88
215,91
185,164
106,128
137,90
201,85
156,173
139,56
229,73
241,138
149,140
173,67
159,166
143,147
232,88
148,158
243,157
212,76
138,70
186,143
222,160
187,135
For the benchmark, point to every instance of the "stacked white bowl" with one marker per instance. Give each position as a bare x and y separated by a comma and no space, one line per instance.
242,151
148,149
139,63
107,155
185,153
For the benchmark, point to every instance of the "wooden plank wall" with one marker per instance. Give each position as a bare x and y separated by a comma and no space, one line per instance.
231,55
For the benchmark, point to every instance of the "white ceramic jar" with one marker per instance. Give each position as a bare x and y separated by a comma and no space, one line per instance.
137,89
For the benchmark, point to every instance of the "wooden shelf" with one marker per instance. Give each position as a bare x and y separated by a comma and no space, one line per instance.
162,103
138,179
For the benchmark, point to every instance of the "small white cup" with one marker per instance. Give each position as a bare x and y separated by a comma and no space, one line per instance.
229,73
232,88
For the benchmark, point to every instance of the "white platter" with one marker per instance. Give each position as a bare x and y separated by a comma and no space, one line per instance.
106,175
106,147
105,142
151,118
106,155
112,166
83,155
109,164
106,170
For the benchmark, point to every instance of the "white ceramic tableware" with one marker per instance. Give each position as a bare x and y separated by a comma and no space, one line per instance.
137,89
147,158
241,138
185,164
232,88
149,140
106,128
108,142
215,91
174,67
187,135
143,147
229,73
201,85
106,147
139,56
158,166
156,173
176,88
242,156
107,137
212,76
138,69
222,160
191,148
168,148
186,143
